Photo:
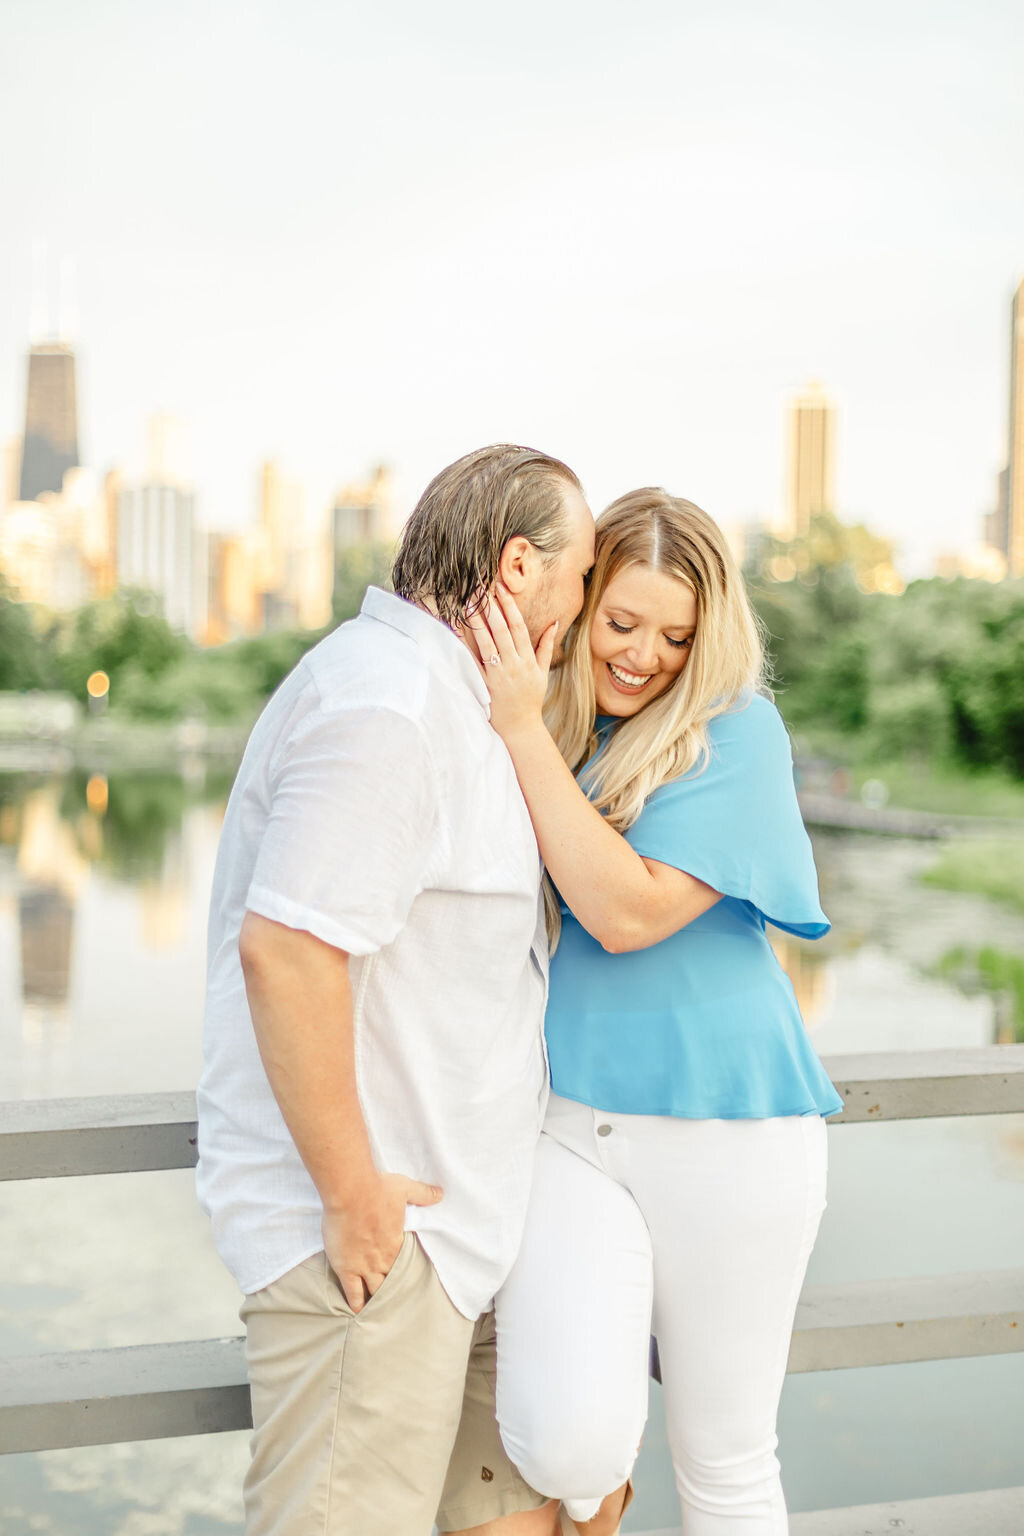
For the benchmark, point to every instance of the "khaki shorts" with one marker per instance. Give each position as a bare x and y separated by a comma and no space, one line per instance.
373,1423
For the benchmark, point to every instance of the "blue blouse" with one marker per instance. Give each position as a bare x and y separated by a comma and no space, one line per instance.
704,1024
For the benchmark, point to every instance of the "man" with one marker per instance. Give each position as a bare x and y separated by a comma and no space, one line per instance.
374,1076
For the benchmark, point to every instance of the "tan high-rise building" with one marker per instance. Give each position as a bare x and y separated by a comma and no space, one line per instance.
235,594
44,549
363,512
275,575
11,472
1015,464
811,463
282,524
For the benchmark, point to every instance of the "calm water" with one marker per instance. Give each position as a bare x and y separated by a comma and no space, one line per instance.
103,889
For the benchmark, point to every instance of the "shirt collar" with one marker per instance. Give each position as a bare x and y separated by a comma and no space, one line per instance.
442,645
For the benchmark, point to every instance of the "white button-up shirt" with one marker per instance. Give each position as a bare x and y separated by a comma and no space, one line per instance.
377,809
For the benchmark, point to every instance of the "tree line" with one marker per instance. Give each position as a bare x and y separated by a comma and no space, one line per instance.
936,672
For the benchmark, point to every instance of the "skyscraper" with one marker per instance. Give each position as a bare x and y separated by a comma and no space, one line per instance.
811,487
997,522
281,541
362,513
10,482
51,421
160,550
1014,549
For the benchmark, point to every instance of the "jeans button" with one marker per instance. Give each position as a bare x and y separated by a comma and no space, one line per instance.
604,1130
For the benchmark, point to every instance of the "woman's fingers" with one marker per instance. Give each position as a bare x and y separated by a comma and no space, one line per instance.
513,618
483,640
497,623
546,647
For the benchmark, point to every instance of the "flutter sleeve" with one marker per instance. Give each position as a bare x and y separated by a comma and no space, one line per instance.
737,825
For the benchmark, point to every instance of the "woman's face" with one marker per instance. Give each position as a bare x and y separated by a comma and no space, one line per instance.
640,639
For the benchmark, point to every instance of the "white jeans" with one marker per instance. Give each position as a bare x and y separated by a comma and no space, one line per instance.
705,1224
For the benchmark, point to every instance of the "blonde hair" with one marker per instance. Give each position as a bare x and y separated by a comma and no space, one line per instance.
451,545
726,663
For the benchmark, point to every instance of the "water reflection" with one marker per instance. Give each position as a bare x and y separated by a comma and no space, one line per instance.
995,972
82,836
125,822
808,970
96,872
45,913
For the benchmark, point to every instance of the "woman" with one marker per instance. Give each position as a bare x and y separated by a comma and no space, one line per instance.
681,1176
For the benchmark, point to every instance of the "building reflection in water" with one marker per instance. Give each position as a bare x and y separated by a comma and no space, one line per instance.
129,828
46,915
51,871
164,901
809,972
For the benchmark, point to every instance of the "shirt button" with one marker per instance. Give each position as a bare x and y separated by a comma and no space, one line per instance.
604,1130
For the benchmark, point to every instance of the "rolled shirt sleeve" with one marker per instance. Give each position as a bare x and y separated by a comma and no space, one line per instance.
351,828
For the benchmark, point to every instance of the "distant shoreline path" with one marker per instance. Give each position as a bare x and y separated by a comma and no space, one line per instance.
890,821
105,746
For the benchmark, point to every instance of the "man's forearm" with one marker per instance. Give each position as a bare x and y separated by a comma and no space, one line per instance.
625,901
300,999
301,1005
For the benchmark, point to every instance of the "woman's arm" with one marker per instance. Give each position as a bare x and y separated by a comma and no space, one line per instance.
626,902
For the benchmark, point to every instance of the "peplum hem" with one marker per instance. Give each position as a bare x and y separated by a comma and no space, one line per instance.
637,1064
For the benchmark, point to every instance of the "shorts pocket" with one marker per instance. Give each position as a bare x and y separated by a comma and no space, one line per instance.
336,1298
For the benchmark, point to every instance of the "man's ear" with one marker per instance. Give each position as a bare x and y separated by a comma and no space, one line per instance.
518,564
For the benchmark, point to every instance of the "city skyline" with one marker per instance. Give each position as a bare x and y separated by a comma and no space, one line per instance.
79,538
69,536
392,237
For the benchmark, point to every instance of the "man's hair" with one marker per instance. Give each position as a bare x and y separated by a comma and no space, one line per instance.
450,548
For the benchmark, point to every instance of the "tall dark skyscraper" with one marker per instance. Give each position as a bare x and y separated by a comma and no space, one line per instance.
51,420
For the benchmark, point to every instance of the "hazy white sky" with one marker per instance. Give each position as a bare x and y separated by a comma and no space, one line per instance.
336,232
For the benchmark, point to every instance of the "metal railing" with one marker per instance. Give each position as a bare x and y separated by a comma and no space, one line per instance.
94,1397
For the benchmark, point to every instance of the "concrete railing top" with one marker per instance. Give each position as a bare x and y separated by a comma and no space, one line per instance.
139,1132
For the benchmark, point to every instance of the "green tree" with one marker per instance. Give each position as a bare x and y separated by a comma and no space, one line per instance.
113,635
819,646
985,687
356,567
267,659
199,684
25,661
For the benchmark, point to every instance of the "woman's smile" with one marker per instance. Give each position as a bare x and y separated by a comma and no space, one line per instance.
629,682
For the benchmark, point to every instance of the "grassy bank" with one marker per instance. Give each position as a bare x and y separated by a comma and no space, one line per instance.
982,868
989,970
943,788
918,784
